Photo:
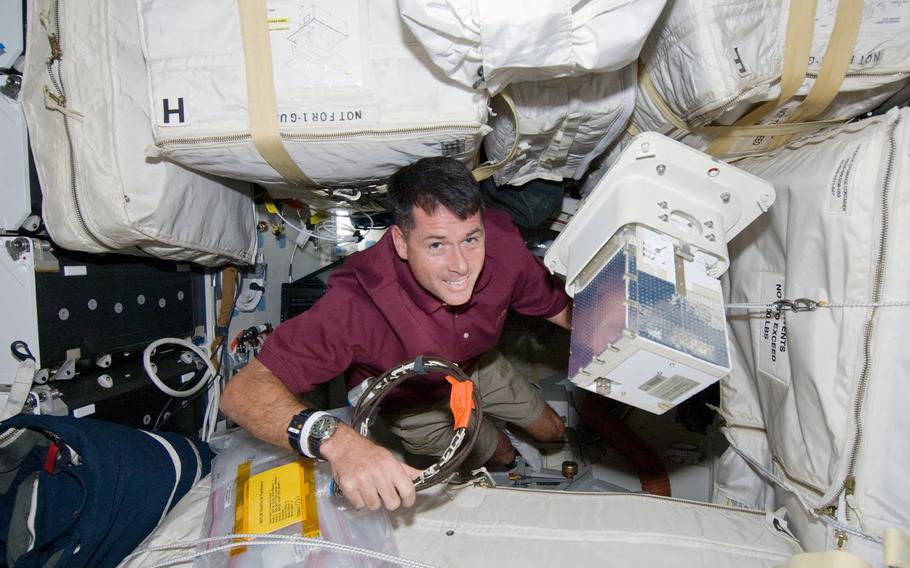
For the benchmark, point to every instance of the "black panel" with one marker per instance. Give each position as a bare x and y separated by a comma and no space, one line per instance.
132,399
300,295
112,303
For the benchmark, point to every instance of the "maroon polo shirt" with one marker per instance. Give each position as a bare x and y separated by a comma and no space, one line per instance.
376,315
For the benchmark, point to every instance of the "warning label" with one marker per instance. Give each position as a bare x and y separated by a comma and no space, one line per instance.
274,498
773,358
839,199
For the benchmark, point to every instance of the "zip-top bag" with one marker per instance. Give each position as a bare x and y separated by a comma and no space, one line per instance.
830,379
563,124
709,63
300,94
84,94
494,43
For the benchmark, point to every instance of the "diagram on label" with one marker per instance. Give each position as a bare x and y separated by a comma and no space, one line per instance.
315,43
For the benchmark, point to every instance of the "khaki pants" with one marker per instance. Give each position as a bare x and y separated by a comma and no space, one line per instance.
506,396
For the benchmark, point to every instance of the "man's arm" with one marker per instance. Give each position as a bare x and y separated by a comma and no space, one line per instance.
369,475
564,318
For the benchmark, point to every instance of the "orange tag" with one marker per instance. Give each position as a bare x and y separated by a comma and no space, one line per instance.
461,401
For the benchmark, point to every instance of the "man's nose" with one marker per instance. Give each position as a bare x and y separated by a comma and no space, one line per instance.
458,263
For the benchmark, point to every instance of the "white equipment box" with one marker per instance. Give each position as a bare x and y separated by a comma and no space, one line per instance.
14,187
20,257
642,258
12,33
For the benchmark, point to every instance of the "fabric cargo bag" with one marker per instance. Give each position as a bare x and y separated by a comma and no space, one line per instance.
563,124
493,43
82,492
808,61
85,98
293,94
830,381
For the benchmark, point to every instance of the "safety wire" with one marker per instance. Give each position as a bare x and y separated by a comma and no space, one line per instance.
807,305
463,438
269,540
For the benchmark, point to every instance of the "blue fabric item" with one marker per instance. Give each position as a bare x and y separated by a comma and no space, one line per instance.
111,497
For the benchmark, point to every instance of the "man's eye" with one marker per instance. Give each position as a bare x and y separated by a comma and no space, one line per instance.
435,246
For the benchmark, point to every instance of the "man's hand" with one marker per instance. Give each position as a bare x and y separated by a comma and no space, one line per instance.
369,475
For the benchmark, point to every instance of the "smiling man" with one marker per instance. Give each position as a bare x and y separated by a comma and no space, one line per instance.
439,283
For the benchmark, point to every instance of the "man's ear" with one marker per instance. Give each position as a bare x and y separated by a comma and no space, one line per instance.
401,245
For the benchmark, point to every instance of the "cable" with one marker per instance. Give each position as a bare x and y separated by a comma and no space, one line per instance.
269,540
368,405
210,418
149,367
807,305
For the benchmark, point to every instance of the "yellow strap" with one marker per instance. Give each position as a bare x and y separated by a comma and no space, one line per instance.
797,48
644,81
632,129
834,65
897,549
260,90
483,172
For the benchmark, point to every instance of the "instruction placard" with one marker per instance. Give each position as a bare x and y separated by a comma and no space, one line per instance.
278,498
840,190
772,346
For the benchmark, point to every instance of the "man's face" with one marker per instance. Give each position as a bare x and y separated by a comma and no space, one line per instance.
444,252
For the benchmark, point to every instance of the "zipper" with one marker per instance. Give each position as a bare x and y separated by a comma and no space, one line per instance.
455,128
58,95
729,103
896,74
849,483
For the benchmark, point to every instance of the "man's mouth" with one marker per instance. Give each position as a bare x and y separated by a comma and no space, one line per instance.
457,284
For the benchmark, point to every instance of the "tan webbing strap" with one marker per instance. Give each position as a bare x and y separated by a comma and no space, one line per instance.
834,65
897,549
782,129
483,172
644,81
797,48
260,90
827,559
632,129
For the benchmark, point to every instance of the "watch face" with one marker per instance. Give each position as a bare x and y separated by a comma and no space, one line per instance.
324,427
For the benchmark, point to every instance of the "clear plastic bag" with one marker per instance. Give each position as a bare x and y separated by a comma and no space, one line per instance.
260,488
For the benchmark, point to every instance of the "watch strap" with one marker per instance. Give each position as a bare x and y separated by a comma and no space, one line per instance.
299,431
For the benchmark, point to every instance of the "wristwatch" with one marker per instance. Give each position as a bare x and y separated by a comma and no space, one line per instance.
309,429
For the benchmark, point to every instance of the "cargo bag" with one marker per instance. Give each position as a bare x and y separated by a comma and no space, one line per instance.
563,124
711,61
493,43
81,492
292,94
85,99
469,526
830,378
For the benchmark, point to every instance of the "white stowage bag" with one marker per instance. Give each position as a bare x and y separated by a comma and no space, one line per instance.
497,42
470,527
831,383
711,60
356,95
563,125
87,116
